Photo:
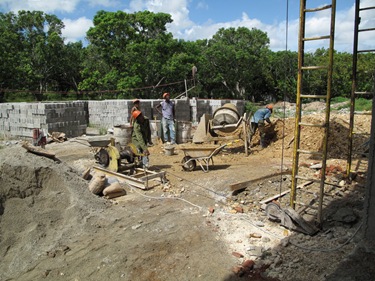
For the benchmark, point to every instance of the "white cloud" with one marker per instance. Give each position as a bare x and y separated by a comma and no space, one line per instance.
183,27
178,9
75,30
136,5
48,6
104,3
202,6
317,25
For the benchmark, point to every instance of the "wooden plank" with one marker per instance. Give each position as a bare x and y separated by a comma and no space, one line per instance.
40,151
269,199
141,183
131,181
283,193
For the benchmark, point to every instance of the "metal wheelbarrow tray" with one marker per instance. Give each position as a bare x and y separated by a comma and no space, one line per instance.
201,154
99,141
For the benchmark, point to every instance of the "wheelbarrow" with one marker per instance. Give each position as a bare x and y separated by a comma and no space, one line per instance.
201,154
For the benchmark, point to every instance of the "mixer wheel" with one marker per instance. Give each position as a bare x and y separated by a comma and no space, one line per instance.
103,157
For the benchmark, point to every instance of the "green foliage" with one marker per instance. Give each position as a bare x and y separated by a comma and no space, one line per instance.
234,63
250,108
283,68
362,104
132,55
35,56
338,100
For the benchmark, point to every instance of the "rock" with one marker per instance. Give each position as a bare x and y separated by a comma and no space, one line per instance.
248,264
136,226
237,255
278,261
345,215
284,242
238,209
238,270
266,239
316,166
255,235
256,251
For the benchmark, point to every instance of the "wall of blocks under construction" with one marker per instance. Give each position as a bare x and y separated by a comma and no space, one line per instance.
73,117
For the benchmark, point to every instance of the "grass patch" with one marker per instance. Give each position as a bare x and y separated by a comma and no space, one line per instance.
362,104
339,100
102,131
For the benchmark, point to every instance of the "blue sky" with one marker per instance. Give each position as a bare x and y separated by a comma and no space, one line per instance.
199,19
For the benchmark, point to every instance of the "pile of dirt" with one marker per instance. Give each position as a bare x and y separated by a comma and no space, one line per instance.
281,134
42,203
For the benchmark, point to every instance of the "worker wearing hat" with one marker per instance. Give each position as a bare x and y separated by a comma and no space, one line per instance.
168,118
137,107
139,135
258,120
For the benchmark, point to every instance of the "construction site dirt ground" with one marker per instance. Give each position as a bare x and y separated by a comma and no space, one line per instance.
194,227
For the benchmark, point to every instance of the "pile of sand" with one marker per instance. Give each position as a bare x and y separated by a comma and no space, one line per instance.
41,204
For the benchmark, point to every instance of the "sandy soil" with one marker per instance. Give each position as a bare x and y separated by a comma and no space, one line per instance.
194,227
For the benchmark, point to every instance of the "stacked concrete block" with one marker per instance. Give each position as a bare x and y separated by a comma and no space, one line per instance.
147,109
202,107
109,113
19,119
193,111
183,110
72,118
68,117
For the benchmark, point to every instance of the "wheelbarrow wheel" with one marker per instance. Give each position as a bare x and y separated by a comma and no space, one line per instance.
188,165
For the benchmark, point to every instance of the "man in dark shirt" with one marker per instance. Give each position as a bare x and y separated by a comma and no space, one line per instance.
257,122
139,136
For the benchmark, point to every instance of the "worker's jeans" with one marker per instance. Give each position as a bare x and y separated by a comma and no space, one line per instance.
262,131
168,128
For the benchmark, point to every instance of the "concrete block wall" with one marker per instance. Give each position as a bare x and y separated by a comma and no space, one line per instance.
68,117
73,117
108,113
19,119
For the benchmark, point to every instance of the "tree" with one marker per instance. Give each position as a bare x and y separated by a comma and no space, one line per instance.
9,48
132,50
284,68
42,47
236,63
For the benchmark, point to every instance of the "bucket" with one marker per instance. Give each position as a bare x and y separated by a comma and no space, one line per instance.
183,131
123,134
155,130
169,150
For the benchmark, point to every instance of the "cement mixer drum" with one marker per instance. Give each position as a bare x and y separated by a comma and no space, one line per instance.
226,115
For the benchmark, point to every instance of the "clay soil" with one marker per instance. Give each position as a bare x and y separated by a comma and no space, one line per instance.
196,226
